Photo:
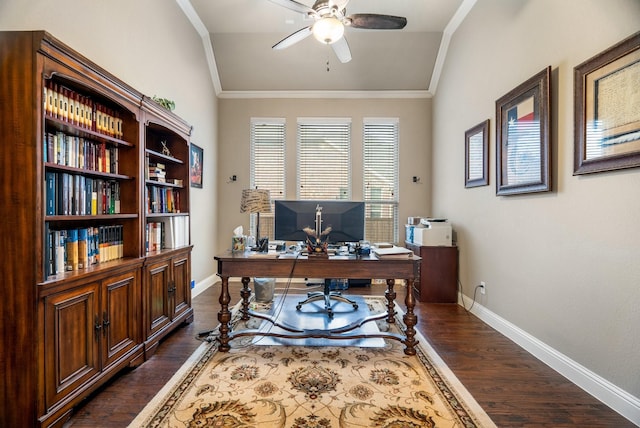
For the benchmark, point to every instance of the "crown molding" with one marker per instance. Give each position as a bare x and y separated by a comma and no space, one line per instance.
325,94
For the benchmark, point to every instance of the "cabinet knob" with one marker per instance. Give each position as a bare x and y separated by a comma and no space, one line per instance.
105,321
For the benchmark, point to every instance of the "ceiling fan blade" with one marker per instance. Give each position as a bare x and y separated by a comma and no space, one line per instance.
294,38
373,21
295,6
341,49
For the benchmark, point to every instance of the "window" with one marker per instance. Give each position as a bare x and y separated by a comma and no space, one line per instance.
324,167
380,163
267,164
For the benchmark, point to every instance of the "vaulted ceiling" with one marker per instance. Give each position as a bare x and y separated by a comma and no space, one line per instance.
238,36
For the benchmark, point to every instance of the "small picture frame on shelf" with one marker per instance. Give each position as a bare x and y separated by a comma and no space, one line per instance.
476,160
195,166
607,117
523,137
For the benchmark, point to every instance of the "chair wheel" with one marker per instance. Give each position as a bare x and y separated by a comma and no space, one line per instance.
355,306
298,307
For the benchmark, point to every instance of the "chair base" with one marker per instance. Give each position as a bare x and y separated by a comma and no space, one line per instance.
327,295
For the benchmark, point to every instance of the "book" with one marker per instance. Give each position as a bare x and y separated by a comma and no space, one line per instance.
72,249
392,253
83,249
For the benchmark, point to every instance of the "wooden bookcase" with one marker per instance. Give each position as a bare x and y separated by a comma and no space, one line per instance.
73,316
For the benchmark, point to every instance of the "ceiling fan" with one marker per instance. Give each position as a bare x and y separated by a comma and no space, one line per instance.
330,21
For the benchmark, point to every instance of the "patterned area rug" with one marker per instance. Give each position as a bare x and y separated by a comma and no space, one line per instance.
314,387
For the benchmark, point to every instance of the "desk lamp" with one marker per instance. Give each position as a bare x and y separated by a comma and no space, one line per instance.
256,201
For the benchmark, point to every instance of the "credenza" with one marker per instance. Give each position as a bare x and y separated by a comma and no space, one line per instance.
438,277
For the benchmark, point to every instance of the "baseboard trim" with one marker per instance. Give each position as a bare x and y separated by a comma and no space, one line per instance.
616,398
203,285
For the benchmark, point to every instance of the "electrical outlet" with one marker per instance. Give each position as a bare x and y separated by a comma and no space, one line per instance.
483,287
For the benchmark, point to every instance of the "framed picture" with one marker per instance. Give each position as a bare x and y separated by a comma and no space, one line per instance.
195,166
523,132
476,151
607,109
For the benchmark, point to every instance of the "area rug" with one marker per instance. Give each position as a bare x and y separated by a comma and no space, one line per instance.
314,387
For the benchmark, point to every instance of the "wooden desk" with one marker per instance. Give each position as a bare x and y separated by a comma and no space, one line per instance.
245,266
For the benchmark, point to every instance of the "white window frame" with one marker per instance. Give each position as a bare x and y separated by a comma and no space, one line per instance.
390,168
276,167
338,129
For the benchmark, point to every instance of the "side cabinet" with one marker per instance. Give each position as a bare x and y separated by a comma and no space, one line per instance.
90,331
167,295
438,274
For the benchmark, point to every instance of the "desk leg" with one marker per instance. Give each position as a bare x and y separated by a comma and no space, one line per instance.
390,294
245,293
224,316
410,320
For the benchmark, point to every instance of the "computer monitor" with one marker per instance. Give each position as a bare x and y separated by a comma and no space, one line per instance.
346,219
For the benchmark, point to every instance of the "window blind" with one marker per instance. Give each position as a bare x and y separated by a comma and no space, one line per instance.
267,167
324,170
380,179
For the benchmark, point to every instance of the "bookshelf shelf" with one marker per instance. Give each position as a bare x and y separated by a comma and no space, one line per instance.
158,155
87,172
74,184
84,218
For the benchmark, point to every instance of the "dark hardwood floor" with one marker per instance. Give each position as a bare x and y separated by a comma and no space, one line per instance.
514,388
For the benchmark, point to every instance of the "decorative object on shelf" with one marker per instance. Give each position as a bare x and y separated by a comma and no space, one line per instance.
523,137
476,161
315,244
165,149
166,103
256,201
195,166
607,110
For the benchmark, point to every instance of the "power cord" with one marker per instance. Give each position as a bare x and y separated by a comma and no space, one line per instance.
276,309
475,292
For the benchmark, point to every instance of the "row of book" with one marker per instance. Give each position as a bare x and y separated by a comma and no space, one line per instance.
76,249
156,171
78,152
162,200
80,110
72,194
171,232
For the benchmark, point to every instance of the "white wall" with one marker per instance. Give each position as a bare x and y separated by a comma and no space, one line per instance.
150,45
563,266
235,115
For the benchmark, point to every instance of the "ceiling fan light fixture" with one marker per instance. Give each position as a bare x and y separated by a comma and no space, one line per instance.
328,30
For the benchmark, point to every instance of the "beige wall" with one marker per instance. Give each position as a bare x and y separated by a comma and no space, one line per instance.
562,266
154,48
235,116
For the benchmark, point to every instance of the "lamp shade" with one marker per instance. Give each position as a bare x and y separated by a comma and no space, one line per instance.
255,201
328,30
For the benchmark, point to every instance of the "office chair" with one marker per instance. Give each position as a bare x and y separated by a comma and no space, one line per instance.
326,294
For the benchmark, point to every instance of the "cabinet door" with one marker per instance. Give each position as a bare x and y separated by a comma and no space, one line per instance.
157,310
181,288
120,328
71,340
439,274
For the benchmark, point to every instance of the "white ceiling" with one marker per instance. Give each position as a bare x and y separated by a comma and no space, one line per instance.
238,36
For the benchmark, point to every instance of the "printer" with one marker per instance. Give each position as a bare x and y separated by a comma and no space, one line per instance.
433,232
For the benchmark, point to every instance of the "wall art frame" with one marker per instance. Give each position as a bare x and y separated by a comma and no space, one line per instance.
523,137
195,165
476,155
607,109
